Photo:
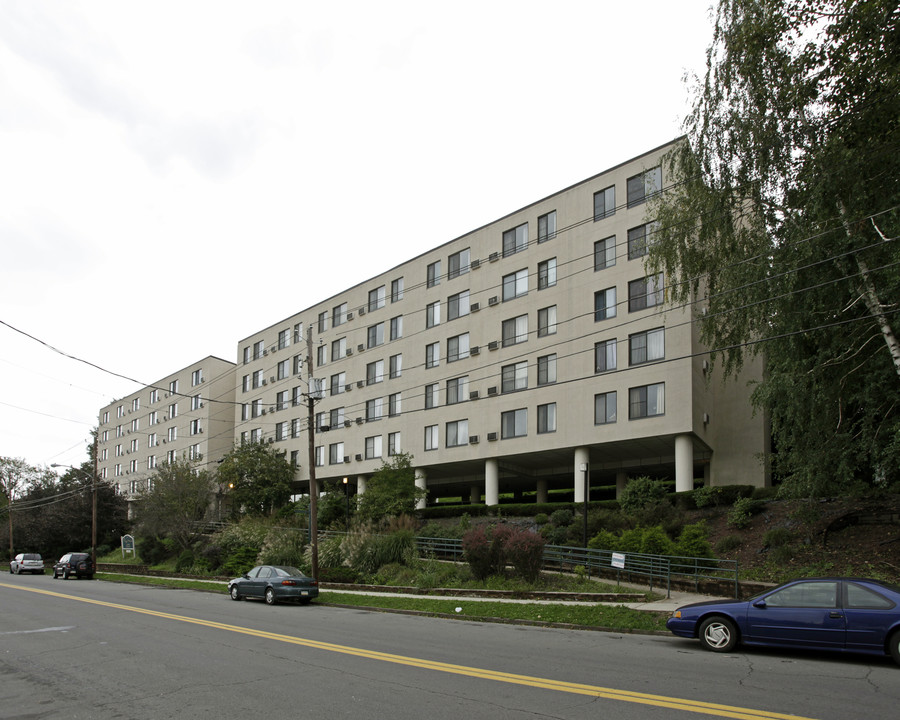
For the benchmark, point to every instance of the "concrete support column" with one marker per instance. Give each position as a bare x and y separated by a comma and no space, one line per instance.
542,492
621,482
582,457
684,463
707,476
474,495
361,484
421,482
491,482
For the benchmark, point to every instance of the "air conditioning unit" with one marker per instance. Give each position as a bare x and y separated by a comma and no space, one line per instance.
358,457
265,352
272,409
349,315
165,441
360,348
262,412
348,387
475,264
346,458
474,307
360,383
272,379
359,421
492,345
200,430
347,423
273,349
349,351
264,381
473,395
473,439
492,436
475,350
493,300
271,440
165,418
362,311
492,390
493,257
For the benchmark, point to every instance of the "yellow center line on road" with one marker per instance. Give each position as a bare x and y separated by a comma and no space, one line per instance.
695,706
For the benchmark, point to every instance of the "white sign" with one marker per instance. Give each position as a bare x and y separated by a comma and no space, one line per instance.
618,560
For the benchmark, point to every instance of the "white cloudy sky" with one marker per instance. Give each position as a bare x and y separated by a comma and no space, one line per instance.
176,175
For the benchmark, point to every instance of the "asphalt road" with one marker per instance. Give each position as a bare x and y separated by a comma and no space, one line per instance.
91,649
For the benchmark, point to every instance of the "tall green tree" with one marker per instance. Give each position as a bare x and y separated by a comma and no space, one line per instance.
178,500
390,491
258,479
782,225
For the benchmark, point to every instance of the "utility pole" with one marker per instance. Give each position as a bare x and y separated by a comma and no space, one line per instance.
313,485
94,479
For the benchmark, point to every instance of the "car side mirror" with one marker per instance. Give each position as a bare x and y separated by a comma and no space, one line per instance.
245,576
760,604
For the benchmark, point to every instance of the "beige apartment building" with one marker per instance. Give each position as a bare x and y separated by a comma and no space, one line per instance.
531,354
189,414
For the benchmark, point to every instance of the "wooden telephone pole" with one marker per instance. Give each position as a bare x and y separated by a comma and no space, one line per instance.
311,390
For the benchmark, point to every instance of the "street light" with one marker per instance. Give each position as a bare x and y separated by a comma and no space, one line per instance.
347,494
93,509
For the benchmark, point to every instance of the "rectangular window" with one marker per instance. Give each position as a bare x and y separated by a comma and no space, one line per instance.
258,379
296,396
605,408
136,424
431,437
432,355
546,418
375,372
431,395
646,346
458,264
373,447
375,335
394,405
457,433
335,453
339,315
457,390
644,185
397,327
283,369
321,355
298,333
458,305
259,349
397,290
547,226
172,433
433,274
645,293
284,338
336,417
515,284
646,401
245,411
338,348
323,322
320,455
295,428
246,354
393,443
546,367
136,403
605,203
173,388
151,441
281,400
256,408
396,366
377,298
515,330
514,423
515,240
605,253
640,238
195,427
604,356
547,274
433,314
281,431
338,381
547,321
604,304
458,347
514,377
297,363
151,462
154,397
173,411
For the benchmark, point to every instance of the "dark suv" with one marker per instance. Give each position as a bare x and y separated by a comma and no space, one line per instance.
77,564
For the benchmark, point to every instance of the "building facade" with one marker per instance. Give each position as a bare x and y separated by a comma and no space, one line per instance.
532,354
189,414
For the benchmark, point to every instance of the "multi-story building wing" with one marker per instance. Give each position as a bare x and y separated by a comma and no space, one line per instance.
189,414
522,356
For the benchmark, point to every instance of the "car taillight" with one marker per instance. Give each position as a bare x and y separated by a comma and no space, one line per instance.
288,582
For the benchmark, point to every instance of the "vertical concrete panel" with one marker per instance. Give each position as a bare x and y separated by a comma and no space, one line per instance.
491,482
684,463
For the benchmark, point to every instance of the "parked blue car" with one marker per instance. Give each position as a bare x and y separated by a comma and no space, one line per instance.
845,614
273,583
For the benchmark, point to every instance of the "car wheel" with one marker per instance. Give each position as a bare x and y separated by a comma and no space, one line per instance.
65,574
894,645
718,634
270,596
55,575
235,593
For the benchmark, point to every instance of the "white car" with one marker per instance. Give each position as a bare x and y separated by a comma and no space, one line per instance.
26,562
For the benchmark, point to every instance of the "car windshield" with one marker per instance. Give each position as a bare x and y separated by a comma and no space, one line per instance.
287,571
31,556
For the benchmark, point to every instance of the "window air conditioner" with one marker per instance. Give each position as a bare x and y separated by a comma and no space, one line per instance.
473,395
346,458
347,423
360,383
349,315
474,307
493,257
492,390
475,264
492,436
493,300
360,348
349,351
473,439
362,311
475,350
492,345
358,458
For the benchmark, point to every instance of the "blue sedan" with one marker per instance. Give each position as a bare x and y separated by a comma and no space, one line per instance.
273,583
845,614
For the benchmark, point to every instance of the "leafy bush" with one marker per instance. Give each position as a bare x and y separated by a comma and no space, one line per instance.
152,550
541,519
283,547
777,537
742,511
476,546
728,543
654,541
330,553
642,492
184,562
604,540
367,552
694,541
240,560
525,552
562,517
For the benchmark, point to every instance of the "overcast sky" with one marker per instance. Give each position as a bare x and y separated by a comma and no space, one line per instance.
175,176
